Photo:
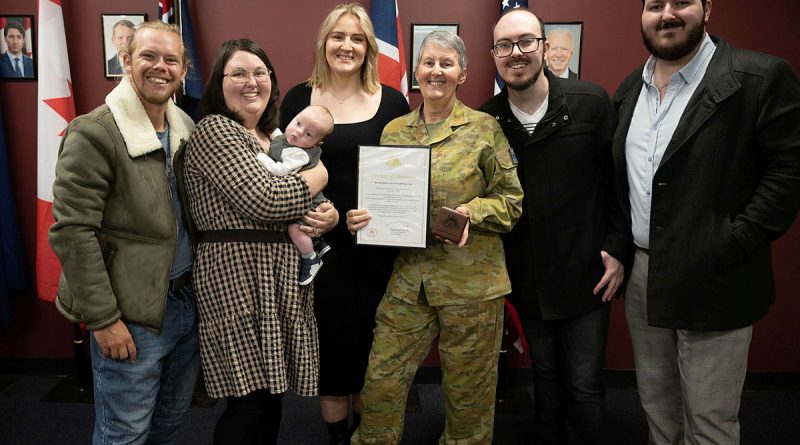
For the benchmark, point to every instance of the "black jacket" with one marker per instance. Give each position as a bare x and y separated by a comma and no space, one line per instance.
728,184
569,210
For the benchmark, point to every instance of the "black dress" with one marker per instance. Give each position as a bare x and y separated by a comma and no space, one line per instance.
352,281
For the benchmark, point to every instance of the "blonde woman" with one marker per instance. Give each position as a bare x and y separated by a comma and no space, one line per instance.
348,289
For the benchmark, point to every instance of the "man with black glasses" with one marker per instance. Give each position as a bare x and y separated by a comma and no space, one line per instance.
564,255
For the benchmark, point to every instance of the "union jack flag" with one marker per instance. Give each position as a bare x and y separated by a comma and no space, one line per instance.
391,55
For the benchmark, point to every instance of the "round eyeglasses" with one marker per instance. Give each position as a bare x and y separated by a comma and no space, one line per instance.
241,75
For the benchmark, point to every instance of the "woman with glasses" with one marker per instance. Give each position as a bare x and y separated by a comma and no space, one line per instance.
347,290
452,290
258,337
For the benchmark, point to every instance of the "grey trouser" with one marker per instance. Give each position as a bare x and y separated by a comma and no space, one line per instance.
690,382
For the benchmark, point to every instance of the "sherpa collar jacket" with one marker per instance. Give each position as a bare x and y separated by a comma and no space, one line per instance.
114,230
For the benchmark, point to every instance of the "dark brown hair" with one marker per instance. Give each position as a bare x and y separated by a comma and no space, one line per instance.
213,100
11,24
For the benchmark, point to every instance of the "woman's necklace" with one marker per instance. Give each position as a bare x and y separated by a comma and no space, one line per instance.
343,99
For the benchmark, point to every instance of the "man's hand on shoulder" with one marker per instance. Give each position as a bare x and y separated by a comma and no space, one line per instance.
115,341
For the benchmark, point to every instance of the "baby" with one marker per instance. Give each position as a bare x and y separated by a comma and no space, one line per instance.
299,149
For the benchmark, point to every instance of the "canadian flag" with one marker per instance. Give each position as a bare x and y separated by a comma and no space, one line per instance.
56,110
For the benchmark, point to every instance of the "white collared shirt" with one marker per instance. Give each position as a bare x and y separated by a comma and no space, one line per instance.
652,126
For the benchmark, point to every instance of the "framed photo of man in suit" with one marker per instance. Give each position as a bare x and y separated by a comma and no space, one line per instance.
117,35
17,51
564,56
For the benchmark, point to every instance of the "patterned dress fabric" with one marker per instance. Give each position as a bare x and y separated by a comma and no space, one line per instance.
257,327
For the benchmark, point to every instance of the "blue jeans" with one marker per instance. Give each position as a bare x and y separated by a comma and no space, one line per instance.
568,357
144,402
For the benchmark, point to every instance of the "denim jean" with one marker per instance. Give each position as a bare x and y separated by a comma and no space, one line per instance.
145,401
568,357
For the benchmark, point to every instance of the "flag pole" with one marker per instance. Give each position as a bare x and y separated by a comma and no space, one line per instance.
77,388
56,108
83,373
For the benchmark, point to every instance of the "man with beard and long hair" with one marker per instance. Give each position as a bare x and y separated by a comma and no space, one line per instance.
707,166
564,255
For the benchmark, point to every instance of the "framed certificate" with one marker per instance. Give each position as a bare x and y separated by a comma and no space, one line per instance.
393,184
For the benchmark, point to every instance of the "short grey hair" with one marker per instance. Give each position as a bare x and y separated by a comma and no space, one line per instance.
446,40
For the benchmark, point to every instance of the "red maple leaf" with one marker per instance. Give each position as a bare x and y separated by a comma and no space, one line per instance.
64,106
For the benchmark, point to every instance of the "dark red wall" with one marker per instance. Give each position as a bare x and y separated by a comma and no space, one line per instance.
287,29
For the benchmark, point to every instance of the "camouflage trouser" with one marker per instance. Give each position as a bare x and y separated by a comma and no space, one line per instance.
469,344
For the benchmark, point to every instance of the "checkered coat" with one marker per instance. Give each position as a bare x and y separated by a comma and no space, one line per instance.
257,326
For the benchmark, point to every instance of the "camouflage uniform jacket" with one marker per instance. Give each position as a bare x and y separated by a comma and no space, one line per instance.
471,166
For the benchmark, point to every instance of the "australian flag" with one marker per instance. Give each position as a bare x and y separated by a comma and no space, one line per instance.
166,11
12,261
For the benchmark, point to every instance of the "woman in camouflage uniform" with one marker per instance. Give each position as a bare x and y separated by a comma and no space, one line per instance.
450,290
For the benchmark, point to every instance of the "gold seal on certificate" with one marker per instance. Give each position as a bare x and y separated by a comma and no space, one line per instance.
393,186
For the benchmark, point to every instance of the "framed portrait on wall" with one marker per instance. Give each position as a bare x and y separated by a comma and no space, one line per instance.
418,33
117,34
17,49
564,56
